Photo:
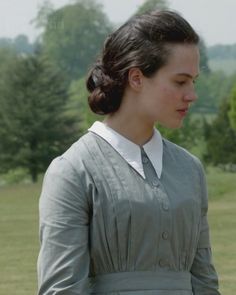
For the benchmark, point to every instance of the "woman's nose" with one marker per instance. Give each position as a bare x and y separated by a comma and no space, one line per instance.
191,96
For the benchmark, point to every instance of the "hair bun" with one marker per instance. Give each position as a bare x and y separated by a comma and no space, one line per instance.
102,87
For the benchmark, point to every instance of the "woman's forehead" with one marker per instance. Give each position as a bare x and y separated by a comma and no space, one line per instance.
184,59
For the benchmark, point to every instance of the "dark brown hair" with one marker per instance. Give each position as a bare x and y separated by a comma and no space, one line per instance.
141,42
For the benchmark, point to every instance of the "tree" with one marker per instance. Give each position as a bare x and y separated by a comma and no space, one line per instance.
149,5
34,124
211,89
22,45
220,139
232,108
187,136
73,36
79,104
5,43
204,65
7,57
45,9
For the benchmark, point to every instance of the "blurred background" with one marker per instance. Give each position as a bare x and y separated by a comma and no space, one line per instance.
46,49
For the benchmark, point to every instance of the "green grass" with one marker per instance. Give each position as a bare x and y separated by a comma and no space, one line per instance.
19,233
222,208
19,239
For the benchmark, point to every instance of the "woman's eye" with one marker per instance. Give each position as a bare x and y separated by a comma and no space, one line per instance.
180,82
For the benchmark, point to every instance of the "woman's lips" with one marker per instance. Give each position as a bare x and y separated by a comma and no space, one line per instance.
183,112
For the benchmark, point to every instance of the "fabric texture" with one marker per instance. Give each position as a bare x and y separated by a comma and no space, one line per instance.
106,230
131,151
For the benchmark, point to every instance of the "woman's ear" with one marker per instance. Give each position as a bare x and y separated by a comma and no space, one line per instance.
135,79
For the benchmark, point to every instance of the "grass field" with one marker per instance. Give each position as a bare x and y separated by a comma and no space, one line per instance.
19,234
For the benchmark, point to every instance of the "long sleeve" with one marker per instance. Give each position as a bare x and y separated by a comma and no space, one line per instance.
204,277
63,262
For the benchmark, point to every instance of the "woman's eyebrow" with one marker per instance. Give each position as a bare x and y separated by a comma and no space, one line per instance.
187,75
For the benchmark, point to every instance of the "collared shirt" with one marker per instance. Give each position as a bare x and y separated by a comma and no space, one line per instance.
130,151
102,224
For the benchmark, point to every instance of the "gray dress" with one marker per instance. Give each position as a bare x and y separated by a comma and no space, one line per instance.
106,230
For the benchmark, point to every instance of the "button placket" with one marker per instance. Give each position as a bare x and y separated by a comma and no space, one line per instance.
163,262
165,206
164,245
165,235
165,214
144,160
155,183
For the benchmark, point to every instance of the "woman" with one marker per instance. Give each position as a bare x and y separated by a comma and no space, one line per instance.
124,211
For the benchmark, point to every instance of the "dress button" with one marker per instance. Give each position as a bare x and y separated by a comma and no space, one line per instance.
165,206
155,183
163,262
145,160
165,235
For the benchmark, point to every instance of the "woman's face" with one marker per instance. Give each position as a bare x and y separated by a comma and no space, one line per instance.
166,97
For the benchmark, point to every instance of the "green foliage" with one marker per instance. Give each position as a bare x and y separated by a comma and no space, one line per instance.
221,51
20,44
188,136
222,57
13,176
45,9
79,103
5,42
7,57
220,139
211,89
74,35
232,110
226,65
149,5
34,127
204,65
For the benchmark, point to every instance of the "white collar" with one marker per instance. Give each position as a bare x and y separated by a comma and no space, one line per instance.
130,151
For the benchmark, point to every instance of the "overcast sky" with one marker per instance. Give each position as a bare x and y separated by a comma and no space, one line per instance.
215,20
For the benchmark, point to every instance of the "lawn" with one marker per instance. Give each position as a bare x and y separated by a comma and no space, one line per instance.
222,208
19,233
19,239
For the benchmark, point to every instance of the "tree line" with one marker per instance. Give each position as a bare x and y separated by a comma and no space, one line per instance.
221,51
44,100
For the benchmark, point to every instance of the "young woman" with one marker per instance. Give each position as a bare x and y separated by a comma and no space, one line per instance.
124,211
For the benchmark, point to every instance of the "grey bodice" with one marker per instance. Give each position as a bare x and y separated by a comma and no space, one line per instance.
106,230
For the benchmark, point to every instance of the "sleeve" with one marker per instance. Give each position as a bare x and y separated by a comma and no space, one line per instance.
63,262
203,274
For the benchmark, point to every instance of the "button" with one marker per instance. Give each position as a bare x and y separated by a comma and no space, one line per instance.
163,262
155,183
145,160
165,235
165,206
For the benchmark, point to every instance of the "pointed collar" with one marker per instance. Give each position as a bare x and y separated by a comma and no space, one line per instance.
130,151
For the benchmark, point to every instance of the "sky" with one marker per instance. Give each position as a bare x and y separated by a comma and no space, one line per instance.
214,20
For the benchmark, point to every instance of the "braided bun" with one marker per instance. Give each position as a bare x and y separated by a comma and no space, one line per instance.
105,94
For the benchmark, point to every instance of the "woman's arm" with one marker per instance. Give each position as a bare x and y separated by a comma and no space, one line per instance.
63,262
204,276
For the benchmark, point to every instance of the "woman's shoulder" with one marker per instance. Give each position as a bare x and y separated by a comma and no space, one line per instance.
177,153
75,157
79,150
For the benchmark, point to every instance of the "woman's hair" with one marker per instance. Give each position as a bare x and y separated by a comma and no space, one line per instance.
141,42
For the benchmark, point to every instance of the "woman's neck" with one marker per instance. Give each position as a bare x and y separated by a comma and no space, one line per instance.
130,127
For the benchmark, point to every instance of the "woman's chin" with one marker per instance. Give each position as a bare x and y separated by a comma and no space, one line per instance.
173,125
